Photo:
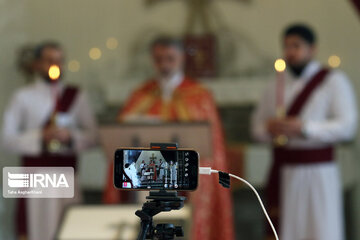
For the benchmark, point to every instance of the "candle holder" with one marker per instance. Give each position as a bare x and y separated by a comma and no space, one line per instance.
280,140
280,66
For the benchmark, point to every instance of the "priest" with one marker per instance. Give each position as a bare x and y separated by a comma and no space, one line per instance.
304,189
170,96
48,123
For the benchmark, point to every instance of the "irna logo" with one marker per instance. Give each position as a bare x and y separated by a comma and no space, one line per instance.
24,180
38,182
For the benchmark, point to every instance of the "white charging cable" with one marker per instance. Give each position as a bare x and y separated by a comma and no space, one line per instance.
209,171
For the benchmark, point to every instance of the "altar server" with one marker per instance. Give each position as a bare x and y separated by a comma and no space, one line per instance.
47,123
304,189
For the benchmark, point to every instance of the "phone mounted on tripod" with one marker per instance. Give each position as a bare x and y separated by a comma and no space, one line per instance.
161,201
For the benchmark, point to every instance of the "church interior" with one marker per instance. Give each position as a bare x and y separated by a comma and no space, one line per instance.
230,48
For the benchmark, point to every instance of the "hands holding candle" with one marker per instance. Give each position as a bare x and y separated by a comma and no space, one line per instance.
56,138
287,127
282,127
61,134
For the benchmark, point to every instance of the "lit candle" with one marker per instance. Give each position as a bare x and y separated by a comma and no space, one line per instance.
54,72
54,145
54,75
280,67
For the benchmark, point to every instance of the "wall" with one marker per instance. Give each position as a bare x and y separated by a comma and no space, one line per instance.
83,24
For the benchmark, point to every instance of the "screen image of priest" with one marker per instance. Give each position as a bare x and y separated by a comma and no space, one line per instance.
150,169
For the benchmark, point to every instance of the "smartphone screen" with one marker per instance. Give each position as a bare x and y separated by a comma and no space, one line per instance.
148,169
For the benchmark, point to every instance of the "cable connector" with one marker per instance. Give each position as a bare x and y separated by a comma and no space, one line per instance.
224,179
205,170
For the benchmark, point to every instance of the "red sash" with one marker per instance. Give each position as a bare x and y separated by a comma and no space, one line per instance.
64,102
67,99
284,156
63,105
300,101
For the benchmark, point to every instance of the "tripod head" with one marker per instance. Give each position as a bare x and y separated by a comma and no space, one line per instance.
161,201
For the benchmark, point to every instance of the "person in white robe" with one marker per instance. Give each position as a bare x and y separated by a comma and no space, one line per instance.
173,174
162,166
24,133
310,196
131,172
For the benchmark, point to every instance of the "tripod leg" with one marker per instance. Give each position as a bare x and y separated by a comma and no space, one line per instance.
145,226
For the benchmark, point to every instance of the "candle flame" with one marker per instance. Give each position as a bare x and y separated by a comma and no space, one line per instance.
54,72
280,65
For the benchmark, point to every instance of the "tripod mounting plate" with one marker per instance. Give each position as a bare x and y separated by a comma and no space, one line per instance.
161,201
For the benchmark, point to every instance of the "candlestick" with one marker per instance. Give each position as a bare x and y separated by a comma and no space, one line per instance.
54,145
280,67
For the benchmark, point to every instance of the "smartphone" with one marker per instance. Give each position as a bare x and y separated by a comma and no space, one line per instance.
152,169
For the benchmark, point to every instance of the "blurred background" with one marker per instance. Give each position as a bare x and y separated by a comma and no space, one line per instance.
106,45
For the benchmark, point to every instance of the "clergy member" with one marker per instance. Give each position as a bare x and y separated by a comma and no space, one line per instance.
304,189
170,96
47,123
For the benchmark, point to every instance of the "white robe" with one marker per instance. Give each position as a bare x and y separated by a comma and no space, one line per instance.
311,193
23,122
162,169
132,174
173,173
